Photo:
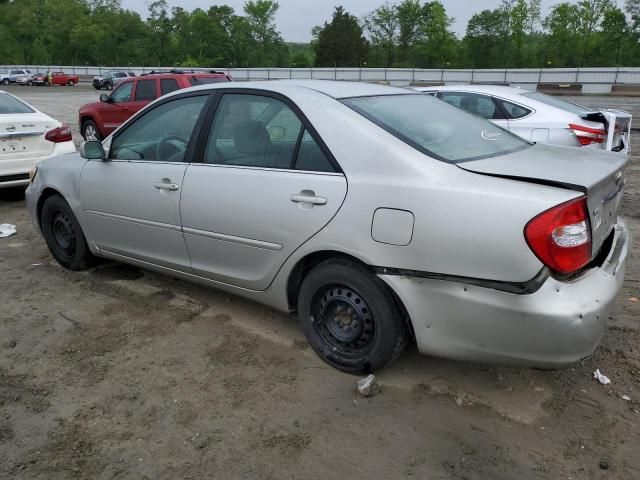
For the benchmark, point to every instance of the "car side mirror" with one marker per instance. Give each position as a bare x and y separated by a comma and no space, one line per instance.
92,150
105,98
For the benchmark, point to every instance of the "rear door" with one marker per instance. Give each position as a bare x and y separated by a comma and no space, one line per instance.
144,92
478,104
132,201
519,120
265,185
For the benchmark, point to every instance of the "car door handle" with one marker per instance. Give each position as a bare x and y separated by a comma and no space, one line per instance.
166,186
308,198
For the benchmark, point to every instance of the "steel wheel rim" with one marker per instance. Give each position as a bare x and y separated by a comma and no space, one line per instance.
63,234
343,321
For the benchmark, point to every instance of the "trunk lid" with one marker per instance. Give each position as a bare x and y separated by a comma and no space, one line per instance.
22,135
617,125
600,175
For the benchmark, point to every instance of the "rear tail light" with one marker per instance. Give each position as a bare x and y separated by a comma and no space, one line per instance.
588,135
60,134
561,236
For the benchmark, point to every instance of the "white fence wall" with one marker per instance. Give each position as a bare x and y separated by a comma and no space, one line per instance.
597,77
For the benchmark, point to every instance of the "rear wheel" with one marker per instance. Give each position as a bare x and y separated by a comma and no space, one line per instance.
30,83
350,318
64,236
109,86
70,83
90,131
5,81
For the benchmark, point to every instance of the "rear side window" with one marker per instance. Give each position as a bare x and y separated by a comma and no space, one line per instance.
514,111
253,131
146,90
168,85
471,102
10,104
439,130
311,157
206,80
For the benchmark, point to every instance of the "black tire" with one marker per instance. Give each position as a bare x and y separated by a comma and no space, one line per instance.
90,124
109,86
30,83
5,81
64,236
350,318
70,83
97,87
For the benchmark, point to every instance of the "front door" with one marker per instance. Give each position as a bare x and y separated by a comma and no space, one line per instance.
132,201
266,184
117,110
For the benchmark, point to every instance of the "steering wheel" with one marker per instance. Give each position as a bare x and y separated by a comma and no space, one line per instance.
170,146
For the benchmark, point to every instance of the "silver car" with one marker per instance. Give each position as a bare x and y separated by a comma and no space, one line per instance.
539,117
378,213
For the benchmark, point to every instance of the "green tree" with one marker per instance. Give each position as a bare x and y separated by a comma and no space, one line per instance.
341,42
382,25
261,18
437,45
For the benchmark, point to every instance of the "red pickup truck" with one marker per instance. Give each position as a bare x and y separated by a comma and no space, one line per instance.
61,78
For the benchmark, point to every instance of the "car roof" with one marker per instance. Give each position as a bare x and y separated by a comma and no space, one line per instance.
336,89
490,89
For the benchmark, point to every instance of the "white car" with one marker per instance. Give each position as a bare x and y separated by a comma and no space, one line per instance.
27,137
12,76
538,117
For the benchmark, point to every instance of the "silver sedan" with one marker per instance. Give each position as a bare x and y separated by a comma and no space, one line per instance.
379,214
538,117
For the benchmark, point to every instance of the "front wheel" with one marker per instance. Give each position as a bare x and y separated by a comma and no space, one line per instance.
70,83
5,81
64,236
350,318
90,131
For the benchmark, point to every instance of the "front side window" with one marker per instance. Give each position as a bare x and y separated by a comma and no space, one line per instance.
439,130
161,134
253,131
122,93
471,102
145,90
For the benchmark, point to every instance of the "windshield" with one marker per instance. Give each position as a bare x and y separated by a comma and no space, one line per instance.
556,102
436,128
10,104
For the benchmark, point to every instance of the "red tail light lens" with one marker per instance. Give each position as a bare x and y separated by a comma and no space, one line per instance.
588,135
60,134
561,236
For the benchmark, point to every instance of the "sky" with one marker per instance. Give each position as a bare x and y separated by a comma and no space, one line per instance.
296,18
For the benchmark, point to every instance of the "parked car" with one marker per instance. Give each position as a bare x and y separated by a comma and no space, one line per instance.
27,136
12,76
375,212
99,119
27,79
61,78
538,117
108,79
40,79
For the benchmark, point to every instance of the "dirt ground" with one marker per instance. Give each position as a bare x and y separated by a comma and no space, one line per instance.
118,373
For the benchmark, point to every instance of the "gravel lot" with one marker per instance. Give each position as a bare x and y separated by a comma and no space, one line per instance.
120,373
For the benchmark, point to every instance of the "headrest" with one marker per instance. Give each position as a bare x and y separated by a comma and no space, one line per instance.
251,138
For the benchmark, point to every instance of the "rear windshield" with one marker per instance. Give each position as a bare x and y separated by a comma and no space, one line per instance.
10,104
436,128
205,80
556,102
